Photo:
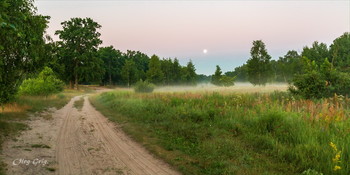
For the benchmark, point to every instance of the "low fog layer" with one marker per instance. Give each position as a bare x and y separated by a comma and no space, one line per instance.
238,87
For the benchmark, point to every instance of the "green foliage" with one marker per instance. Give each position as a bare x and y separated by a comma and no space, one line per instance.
215,78
144,87
318,52
21,38
340,52
141,61
309,85
112,60
189,75
320,81
240,72
45,84
128,72
227,81
259,68
78,50
221,80
154,73
287,66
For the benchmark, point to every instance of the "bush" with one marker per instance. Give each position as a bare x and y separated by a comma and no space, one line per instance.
309,85
224,81
320,81
45,84
144,87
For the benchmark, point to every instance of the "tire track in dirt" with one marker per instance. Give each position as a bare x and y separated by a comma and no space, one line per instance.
90,144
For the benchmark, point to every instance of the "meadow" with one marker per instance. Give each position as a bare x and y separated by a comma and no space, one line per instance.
236,131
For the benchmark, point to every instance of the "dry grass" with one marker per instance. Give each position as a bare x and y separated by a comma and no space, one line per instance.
14,107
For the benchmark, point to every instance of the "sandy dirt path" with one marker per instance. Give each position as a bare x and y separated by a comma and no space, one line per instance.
81,142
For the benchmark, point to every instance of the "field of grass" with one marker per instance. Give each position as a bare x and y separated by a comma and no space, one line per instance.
13,115
236,133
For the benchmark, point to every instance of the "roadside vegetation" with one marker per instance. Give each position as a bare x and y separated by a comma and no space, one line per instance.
258,133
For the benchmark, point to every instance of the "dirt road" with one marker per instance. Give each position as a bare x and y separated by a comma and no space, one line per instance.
79,142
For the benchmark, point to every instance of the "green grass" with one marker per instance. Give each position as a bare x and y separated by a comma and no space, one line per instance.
79,103
210,133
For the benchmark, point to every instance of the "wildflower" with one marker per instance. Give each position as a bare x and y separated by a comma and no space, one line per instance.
333,146
336,158
336,168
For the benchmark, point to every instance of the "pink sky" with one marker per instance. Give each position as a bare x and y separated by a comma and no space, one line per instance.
226,29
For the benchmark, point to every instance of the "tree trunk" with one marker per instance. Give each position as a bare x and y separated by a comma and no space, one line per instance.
71,84
76,81
128,81
110,79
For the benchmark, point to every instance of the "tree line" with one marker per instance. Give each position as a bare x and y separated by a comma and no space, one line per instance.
77,58
261,69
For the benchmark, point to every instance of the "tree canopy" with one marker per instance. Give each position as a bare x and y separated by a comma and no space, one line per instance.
79,43
259,68
22,44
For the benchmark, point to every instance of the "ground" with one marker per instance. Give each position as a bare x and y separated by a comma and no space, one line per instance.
77,139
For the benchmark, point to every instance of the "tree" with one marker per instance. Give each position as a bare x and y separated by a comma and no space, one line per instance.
340,52
240,72
154,73
259,68
189,75
288,65
129,72
110,58
176,71
215,78
318,52
141,61
167,69
21,44
79,44
222,80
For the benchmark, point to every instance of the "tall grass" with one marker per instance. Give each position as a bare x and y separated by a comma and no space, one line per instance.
211,133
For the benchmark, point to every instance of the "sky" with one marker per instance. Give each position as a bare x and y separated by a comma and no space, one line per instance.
225,29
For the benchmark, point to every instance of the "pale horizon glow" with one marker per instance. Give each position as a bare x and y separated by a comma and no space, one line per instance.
225,28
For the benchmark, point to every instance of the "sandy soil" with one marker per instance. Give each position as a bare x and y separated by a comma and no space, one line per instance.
78,142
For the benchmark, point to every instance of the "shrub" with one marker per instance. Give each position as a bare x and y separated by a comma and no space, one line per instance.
45,84
320,81
309,85
144,87
224,81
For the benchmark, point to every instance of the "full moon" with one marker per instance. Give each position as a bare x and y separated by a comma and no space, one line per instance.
205,51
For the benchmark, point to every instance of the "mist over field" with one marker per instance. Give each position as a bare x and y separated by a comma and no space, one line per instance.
239,87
